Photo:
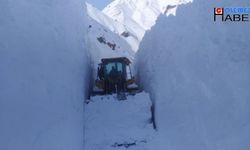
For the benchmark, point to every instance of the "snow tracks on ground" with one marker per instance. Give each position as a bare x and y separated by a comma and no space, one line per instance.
113,124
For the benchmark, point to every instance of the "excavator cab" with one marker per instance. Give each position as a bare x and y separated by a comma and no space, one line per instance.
114,76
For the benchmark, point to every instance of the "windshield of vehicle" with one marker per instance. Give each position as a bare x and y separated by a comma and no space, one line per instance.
114,65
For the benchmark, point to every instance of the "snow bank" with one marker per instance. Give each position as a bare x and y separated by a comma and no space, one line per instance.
198,73
43,74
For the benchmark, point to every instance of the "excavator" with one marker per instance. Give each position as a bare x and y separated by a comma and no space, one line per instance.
114,76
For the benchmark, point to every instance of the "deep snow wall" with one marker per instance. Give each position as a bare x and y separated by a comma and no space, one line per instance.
43,74
198,74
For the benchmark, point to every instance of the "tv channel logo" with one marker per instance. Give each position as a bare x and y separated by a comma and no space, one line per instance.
232,14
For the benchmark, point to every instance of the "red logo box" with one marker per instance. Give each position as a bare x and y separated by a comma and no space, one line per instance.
218,10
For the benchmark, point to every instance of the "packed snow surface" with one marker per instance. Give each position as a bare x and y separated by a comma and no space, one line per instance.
43,74
198,74
113,124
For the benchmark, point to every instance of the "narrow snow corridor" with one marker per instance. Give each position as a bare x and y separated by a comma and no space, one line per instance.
61,61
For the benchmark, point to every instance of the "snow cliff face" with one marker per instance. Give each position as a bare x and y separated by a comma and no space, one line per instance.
197,71
43,74
102,41
141,12
138,16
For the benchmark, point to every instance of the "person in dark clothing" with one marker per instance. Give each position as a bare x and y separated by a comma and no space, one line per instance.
119,82
101,73
113,75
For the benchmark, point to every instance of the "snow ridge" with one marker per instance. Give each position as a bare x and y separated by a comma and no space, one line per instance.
138,16
132,18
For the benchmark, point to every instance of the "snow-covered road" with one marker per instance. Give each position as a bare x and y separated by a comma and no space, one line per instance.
113,124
